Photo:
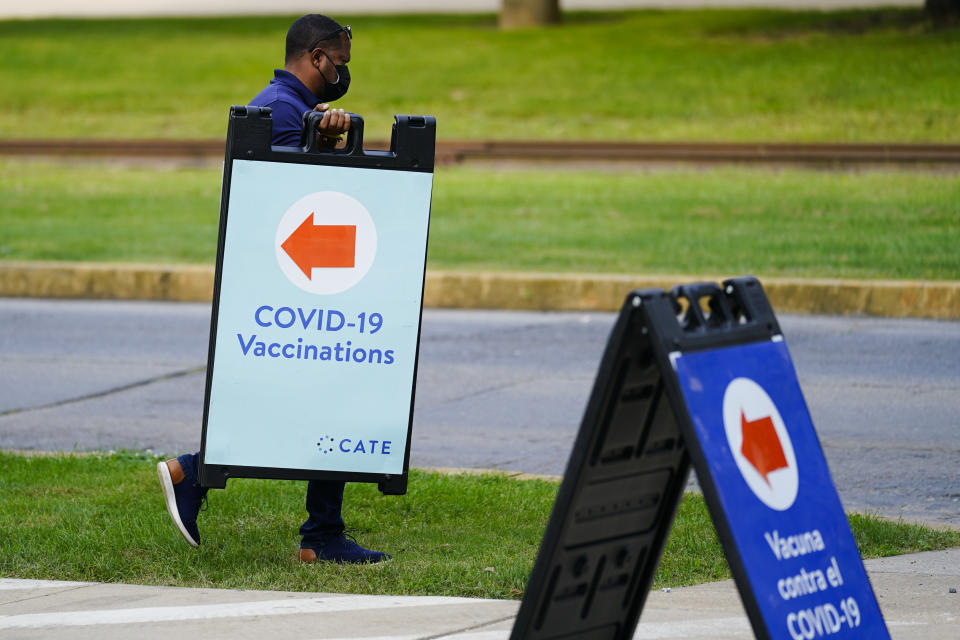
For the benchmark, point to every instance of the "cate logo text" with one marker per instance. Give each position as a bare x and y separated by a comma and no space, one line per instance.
333,445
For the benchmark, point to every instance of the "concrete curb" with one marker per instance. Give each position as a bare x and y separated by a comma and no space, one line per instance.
606,292
98,281
491,290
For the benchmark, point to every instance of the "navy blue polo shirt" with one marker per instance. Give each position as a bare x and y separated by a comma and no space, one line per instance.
289,98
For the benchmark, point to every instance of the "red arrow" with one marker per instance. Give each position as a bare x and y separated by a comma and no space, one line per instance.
327,245
761,446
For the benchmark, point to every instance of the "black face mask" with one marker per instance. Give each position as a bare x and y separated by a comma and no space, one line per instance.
335,90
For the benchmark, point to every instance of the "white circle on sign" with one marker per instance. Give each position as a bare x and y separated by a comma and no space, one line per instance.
760,444
326,242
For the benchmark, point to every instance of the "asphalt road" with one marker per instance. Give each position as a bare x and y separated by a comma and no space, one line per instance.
496,389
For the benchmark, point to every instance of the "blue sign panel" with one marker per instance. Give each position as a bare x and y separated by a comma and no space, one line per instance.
318,317
774,487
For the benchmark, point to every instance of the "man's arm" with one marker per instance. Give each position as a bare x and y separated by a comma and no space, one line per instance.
288,124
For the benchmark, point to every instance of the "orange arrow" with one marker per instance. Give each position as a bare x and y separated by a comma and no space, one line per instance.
327,245
761,446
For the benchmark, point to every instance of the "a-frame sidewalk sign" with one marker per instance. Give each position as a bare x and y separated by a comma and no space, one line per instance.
318,298
700,376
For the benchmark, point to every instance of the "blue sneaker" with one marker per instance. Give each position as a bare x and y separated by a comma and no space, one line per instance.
183,501
342,549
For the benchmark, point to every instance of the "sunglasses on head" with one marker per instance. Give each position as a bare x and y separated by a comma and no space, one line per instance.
331,35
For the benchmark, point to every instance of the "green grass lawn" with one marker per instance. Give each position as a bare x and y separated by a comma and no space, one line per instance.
101,518
643,75
685,221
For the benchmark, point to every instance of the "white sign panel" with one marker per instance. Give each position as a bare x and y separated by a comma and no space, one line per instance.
318,318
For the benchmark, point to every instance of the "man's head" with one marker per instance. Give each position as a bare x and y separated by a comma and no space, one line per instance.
318,50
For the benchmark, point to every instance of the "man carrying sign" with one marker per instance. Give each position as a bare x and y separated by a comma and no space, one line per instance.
315,73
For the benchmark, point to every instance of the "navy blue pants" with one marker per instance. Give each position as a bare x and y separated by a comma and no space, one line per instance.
324,503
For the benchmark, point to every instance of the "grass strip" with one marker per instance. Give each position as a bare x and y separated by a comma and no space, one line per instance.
875,224
101,518
748,74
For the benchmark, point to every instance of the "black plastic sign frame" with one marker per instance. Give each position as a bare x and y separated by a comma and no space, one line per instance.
629,467
249,132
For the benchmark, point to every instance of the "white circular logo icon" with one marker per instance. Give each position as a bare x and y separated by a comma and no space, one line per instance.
326,242
760,444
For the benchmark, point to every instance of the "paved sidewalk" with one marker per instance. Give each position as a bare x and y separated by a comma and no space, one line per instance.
913,590
47,8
